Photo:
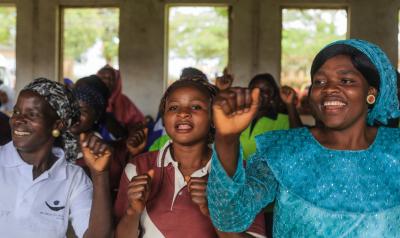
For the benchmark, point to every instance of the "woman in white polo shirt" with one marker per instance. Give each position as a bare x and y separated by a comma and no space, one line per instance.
40,190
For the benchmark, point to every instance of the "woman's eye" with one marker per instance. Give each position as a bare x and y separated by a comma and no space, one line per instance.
172,108
318,82
196,107
346,81
33,115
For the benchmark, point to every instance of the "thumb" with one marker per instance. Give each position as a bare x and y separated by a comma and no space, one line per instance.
151,173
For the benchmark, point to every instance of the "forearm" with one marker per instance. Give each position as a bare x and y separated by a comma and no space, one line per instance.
227,148
128,227
100,222
231,201
294,118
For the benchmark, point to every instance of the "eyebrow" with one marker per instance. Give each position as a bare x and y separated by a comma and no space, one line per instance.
347,71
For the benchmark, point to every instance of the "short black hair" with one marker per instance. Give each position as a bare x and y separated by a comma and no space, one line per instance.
359,60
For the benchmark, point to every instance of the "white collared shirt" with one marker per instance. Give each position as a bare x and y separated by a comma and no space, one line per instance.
42,207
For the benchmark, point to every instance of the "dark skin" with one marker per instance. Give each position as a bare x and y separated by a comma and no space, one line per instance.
32,122
338,96
86,120
289,97
108,77
187,121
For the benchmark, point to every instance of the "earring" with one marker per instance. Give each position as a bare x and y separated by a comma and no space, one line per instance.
370,99
55,133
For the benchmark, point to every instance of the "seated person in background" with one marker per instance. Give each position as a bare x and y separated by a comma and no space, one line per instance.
92,95
5,130
124,110
41,192
269,117
7,95
162,193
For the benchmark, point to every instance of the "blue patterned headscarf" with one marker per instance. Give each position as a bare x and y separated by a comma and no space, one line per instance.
386,104
65,105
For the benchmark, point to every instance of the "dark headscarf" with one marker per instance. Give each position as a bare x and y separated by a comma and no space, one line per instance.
66,107
93,92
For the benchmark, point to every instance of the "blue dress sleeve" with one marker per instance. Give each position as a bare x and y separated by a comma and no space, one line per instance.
235,202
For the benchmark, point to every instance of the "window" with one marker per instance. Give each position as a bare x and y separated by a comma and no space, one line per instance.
304,33
90,40
8,16
197,37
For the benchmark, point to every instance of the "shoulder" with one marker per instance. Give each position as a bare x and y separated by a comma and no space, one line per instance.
388,133
280,139
141,164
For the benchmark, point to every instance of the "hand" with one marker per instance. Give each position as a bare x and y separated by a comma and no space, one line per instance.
138,192
224,82
288,95
234,109
137,139
96,153
197,189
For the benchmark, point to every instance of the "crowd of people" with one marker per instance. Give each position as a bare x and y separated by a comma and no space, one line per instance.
218,161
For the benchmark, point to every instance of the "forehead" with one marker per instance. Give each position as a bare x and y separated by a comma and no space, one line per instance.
337,62
33,100
188,91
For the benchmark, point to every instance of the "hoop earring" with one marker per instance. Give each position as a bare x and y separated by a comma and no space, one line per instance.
55,133
371,99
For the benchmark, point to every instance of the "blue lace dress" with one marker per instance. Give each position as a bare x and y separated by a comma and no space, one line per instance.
319,192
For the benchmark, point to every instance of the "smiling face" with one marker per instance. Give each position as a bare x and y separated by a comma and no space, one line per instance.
338,94
32,122
86,120
187,116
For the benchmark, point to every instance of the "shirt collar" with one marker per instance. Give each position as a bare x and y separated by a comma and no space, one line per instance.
9,157
169,160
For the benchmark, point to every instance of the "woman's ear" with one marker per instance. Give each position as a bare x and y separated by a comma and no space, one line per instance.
372,91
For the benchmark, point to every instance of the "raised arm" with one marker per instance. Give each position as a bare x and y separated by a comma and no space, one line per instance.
236,195
138,192
288,96
233,111
97,156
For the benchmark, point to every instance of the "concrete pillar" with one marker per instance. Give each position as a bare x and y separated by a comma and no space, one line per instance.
141,52
24,43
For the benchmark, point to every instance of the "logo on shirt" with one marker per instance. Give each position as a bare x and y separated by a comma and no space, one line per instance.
55,207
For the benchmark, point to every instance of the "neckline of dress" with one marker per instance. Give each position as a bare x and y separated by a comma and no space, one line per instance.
370,147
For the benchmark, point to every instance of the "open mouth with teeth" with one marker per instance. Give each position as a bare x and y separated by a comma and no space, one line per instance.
333,105
183,126
21,133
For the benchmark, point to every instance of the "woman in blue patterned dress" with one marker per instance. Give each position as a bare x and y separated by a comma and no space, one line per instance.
340,179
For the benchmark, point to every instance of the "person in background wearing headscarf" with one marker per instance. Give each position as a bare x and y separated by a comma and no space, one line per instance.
41,191
7,101
124,110
92,95
338,179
